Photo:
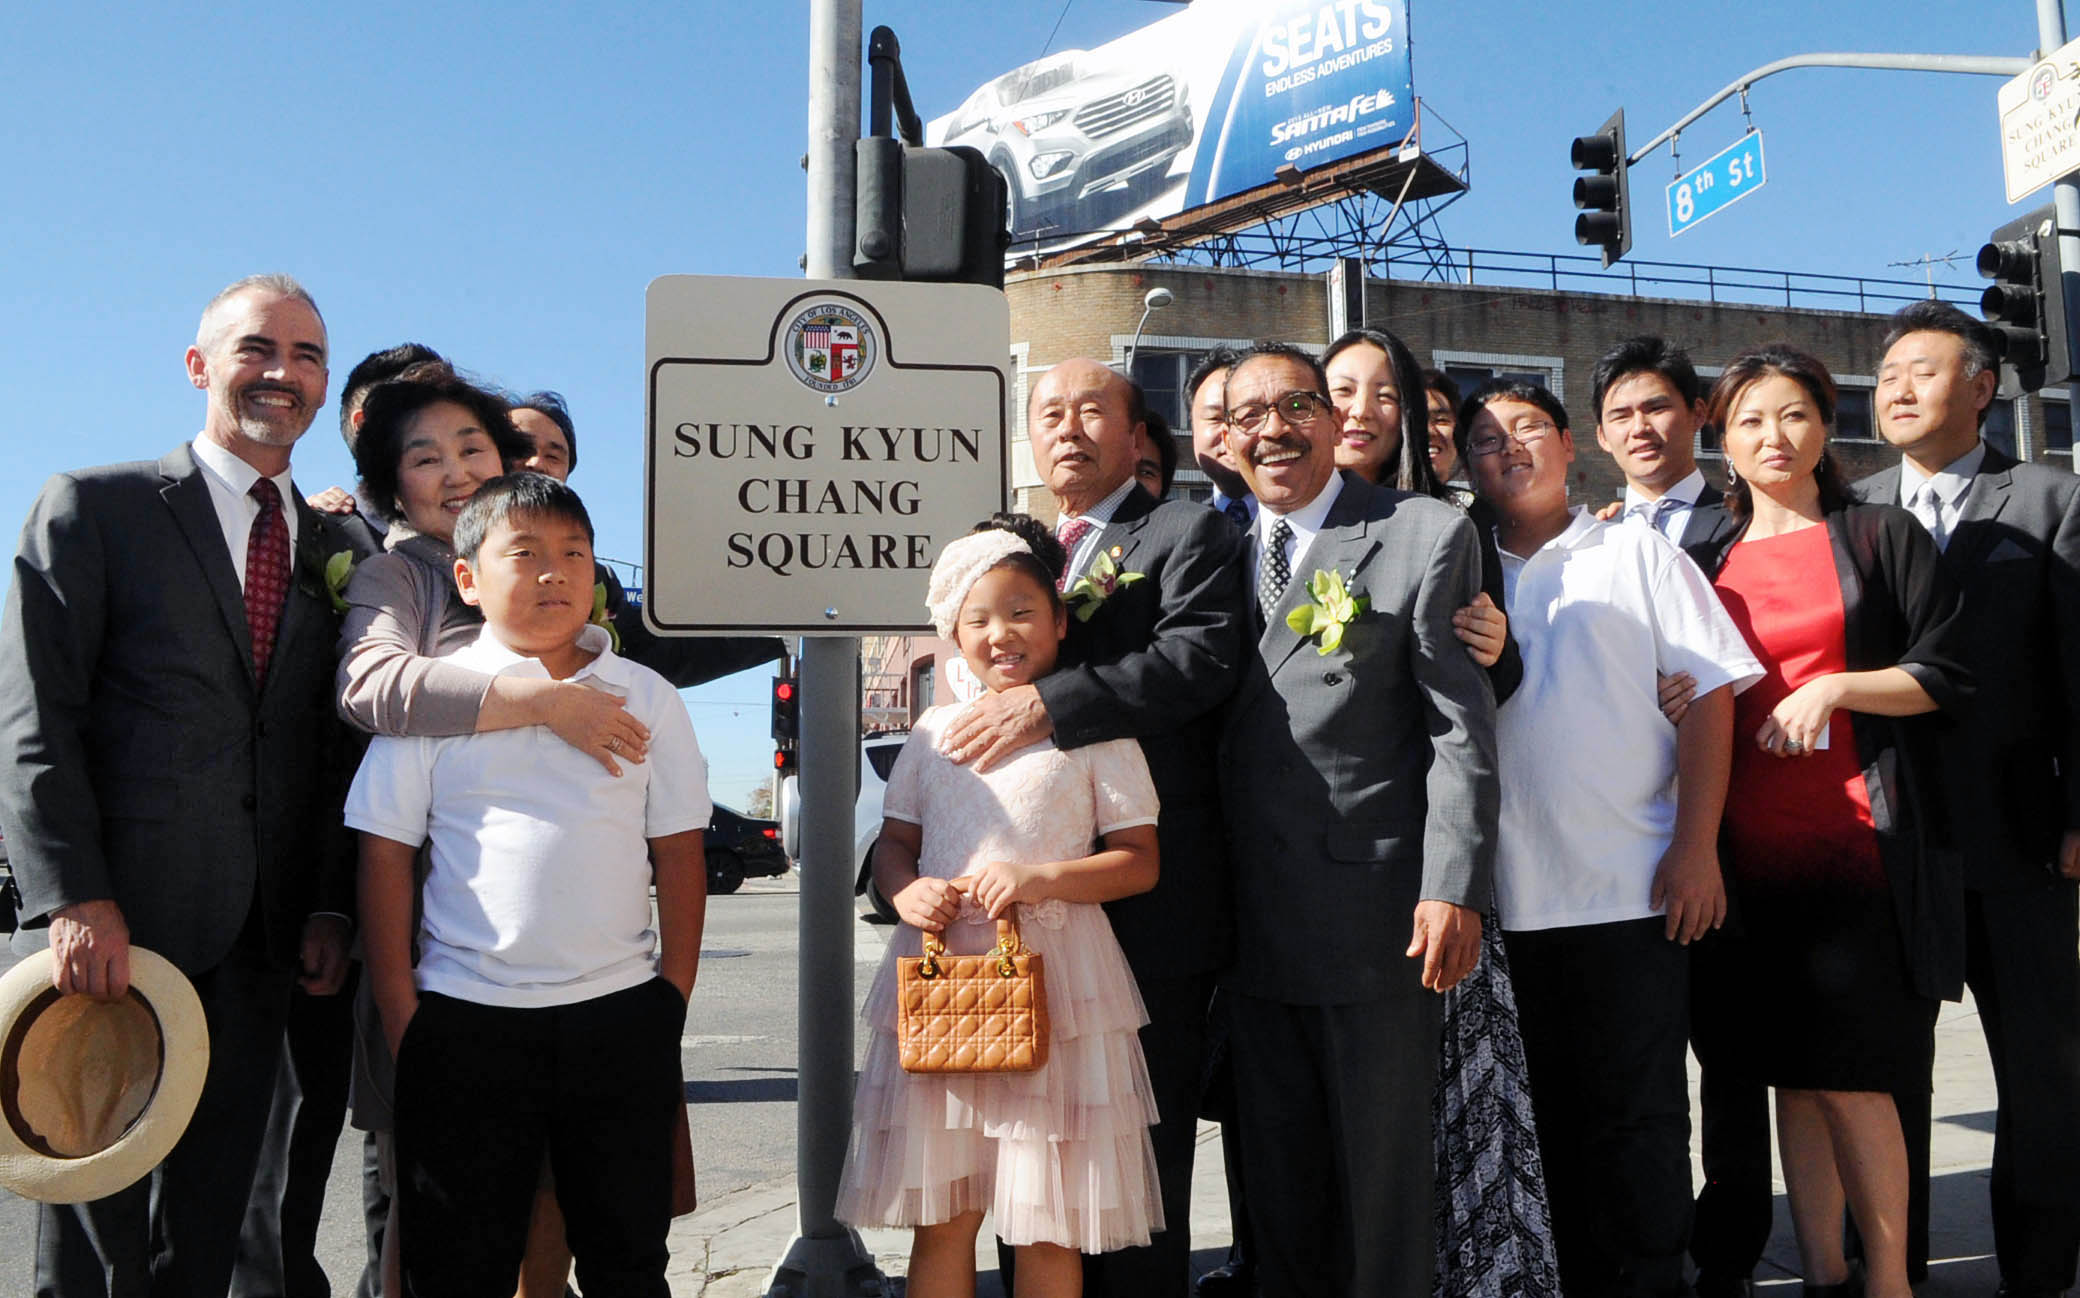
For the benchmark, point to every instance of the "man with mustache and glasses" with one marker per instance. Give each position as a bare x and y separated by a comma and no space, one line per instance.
166,663
1150,659
1358,783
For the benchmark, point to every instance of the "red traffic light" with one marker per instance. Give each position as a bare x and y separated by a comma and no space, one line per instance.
783,691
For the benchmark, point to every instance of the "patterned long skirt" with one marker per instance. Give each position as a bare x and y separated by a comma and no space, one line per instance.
1494,1234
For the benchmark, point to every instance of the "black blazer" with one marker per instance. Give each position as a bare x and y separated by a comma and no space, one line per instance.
2011,768
1153,663
1900,609
1708,527
147,764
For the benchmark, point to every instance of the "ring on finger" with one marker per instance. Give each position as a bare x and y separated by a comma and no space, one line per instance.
613,745
1793,746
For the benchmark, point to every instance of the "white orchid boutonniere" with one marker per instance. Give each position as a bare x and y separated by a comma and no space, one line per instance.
1331,607
599,615
1096,586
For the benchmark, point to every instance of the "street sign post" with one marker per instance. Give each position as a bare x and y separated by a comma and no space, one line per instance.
2040,123
813,444
1728,176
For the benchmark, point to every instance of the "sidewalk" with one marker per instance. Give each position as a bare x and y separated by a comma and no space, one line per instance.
728,1248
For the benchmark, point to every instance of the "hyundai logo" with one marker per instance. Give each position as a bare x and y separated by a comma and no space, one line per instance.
1133,97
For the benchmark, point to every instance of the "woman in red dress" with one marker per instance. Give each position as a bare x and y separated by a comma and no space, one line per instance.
1826,986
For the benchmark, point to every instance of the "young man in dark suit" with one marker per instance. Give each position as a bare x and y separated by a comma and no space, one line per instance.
2010,537
166,663
1358,782
1149,660
1649,405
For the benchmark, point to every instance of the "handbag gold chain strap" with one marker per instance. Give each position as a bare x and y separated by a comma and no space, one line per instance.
1009,944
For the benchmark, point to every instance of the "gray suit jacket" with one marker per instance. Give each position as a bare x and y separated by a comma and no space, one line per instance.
145,763
2011,764
1357,783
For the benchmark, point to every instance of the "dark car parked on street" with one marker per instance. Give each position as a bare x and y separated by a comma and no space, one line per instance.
741,847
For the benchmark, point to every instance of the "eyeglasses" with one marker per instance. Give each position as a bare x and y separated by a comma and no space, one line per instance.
1298,408
1526,434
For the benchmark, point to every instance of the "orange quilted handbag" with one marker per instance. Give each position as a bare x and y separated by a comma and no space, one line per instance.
972,1013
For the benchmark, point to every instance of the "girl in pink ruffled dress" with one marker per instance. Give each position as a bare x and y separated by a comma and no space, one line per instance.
1059,1157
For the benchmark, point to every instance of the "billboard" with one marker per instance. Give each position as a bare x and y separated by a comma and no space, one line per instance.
1195,108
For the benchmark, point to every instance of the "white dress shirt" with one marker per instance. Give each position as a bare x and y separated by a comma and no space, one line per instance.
1587,761
1951,482
229,479
1671,521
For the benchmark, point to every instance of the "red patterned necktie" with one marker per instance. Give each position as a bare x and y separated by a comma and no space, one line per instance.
267,572
1071,534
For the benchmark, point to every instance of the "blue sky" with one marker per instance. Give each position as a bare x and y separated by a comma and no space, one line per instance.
502,180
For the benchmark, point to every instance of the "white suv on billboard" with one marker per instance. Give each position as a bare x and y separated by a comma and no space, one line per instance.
1066,127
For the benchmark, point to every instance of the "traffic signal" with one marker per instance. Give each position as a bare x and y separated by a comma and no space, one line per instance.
2026,302
787,695
935,215
1606,202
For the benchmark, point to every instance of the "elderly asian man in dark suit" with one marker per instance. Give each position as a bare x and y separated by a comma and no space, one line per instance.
1358,783
2010,537
166,663
1149,660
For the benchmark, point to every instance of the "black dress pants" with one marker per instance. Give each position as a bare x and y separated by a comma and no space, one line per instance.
483,1092
278,1250
1334,1104
175,1234
1605,1014
1736,1207
2024,971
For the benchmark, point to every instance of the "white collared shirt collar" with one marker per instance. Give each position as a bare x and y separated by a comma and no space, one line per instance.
1580,527
1305,521
1951,481
1685,492
1098,515
1101,513
490,655
229,479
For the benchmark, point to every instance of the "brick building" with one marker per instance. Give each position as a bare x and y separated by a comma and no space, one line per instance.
1471,331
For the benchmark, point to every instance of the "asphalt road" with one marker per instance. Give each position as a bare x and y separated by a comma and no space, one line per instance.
739,1053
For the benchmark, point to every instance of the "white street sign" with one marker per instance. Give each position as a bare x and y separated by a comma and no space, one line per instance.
812,445
2040,123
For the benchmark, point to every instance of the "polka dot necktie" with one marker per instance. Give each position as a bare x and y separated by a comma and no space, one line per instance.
1275,570
267,572
1071,535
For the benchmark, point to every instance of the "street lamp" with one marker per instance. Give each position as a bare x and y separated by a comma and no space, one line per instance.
1155,300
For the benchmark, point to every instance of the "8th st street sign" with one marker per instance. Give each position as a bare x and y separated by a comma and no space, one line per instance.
1726,177
812,445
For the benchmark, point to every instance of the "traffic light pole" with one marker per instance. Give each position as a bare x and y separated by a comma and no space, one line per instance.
825,1259
2065,197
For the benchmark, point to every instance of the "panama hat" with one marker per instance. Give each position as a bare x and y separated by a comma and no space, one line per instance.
93,1094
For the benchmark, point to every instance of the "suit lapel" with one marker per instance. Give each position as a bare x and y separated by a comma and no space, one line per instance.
1341,546
301,610
1983,502
1123,533
186,493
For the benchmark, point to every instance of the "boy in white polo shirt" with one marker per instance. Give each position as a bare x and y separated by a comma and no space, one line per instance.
537,1020
1607,862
